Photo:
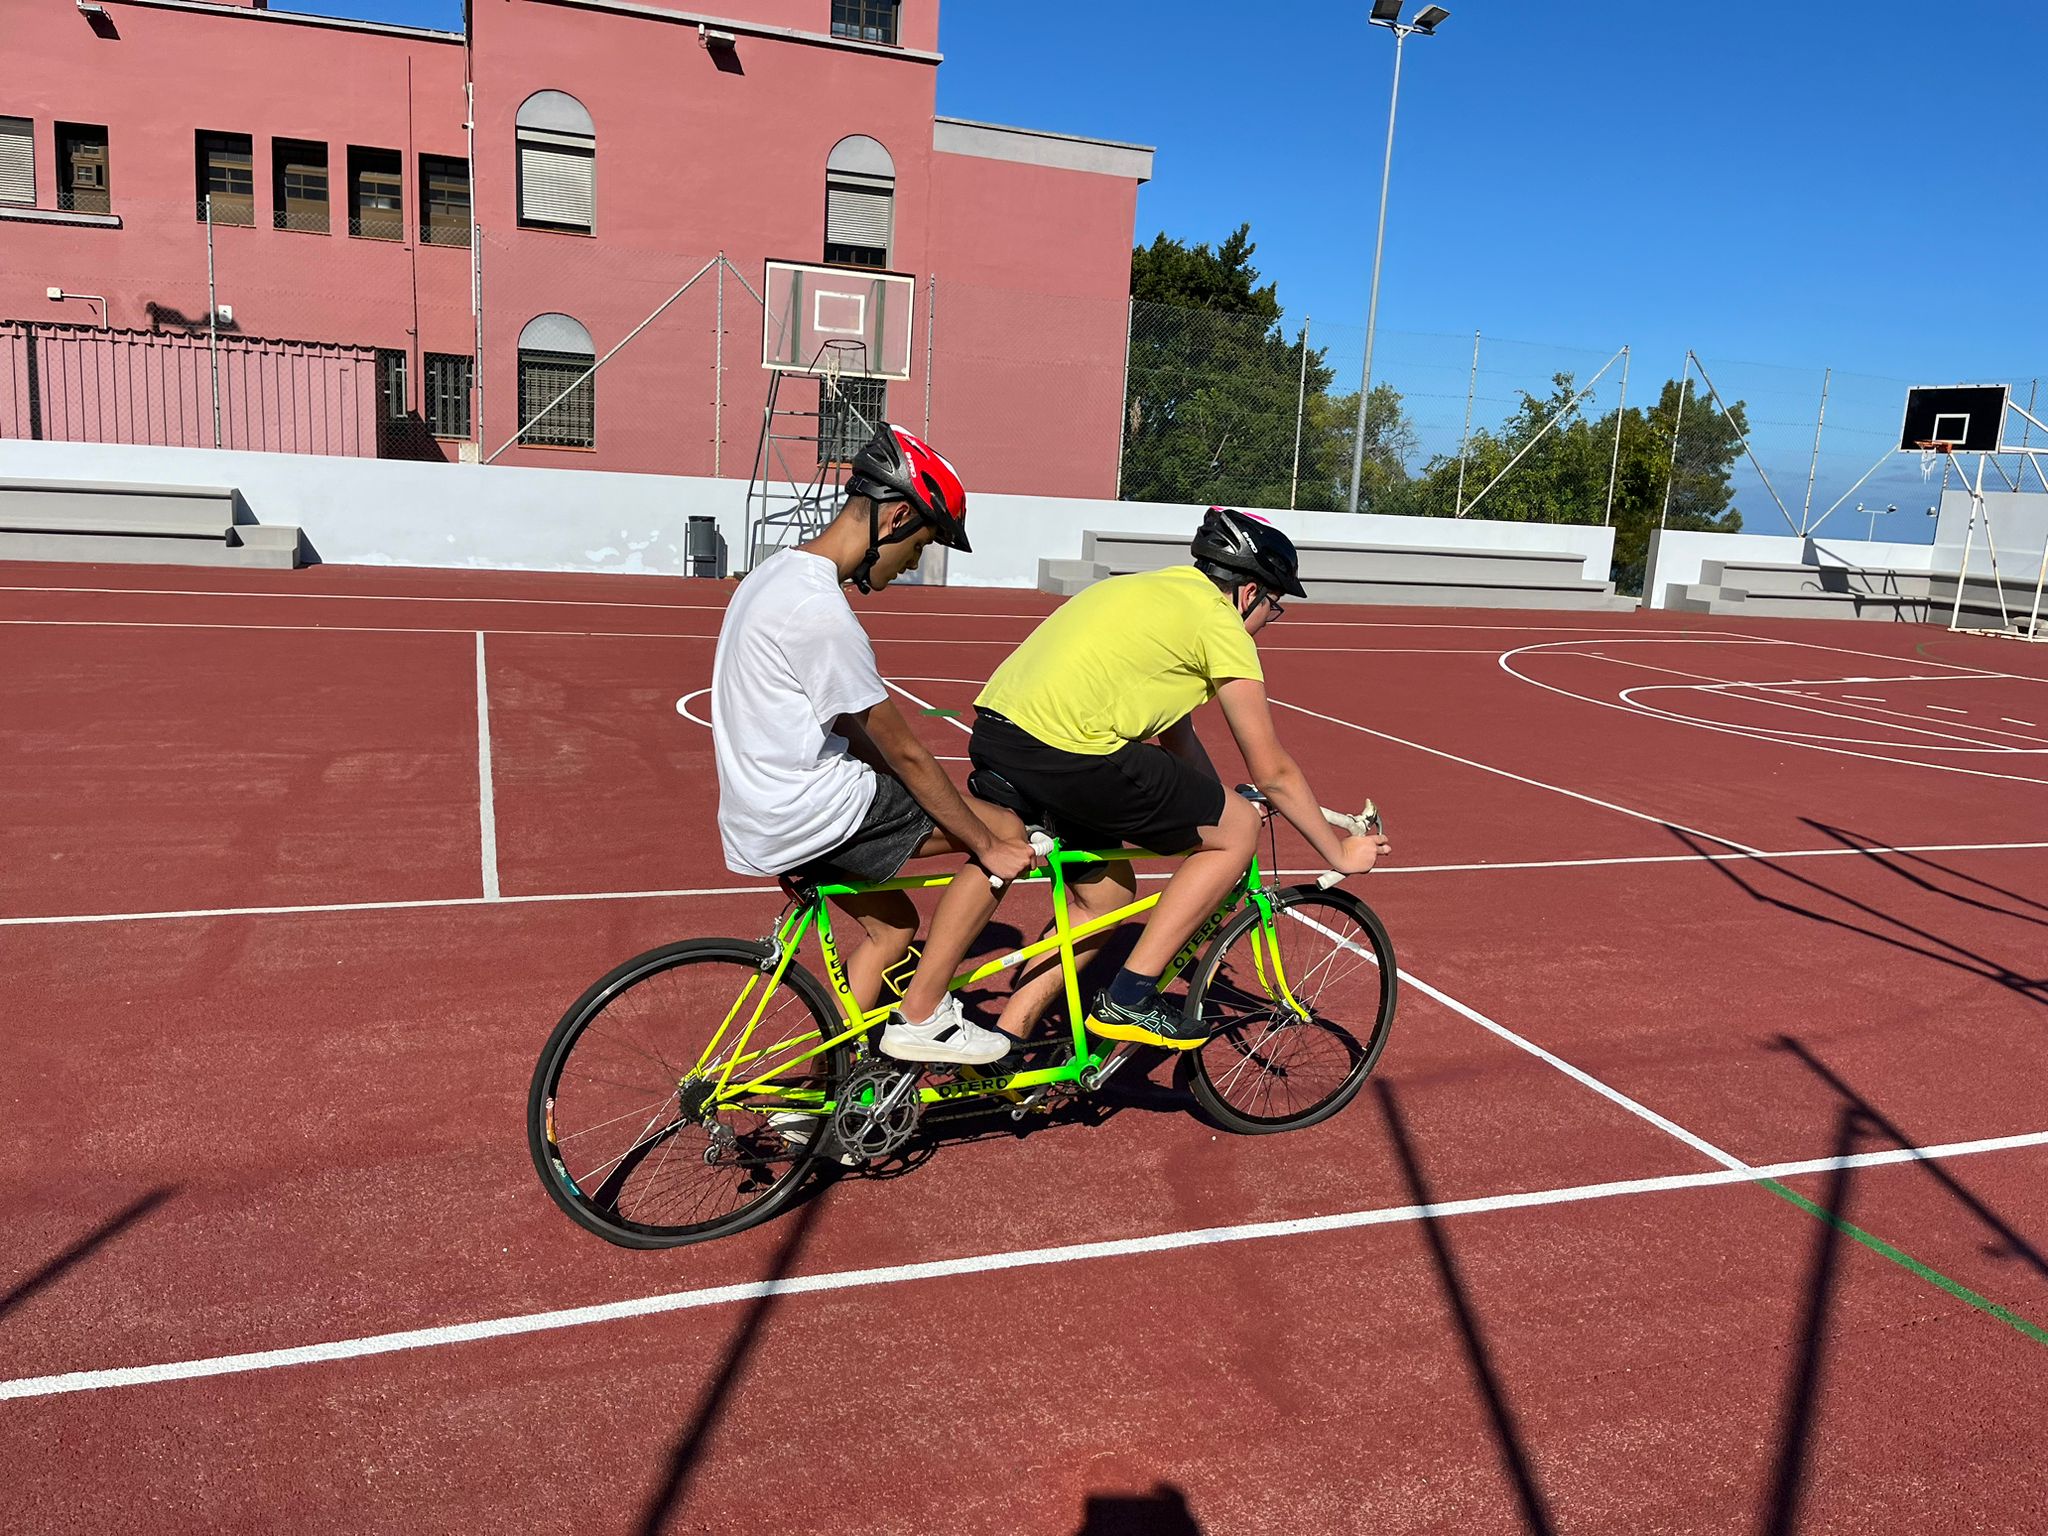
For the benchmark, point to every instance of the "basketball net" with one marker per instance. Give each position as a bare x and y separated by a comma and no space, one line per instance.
1929,453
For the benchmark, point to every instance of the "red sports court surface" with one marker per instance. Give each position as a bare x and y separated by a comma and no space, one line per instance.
1700,1189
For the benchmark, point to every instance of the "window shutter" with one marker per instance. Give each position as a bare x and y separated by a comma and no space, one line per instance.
857,216
556,185
17,160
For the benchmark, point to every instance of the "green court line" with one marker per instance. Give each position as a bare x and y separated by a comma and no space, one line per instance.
950,714
1908,1263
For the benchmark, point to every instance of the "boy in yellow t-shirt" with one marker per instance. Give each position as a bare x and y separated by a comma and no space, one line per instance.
1070,720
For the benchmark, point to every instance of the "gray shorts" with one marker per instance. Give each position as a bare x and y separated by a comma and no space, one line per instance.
884,841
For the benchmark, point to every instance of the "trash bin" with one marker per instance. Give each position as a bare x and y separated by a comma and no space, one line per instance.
703,550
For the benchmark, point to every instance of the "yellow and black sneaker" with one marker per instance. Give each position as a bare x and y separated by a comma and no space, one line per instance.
1152,1022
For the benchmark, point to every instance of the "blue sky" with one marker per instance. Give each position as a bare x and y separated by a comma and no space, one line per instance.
1753,182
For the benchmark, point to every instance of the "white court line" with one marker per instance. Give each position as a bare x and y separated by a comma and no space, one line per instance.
1791,737
68,1382
955,722
1767,693
1383,871
1863,698
2008,719
487,813
650,634
1608,805
1645,712
1948,709
907,613
1916,661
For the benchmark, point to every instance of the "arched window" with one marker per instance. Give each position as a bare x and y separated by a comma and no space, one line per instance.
860,202
557,163
557,401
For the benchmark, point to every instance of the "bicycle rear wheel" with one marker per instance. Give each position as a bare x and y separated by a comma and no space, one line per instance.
1268,1067
628,1129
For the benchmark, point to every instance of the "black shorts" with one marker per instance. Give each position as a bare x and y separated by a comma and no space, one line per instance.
1139,793
880,846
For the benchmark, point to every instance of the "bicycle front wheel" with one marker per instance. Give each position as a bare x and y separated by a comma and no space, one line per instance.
1272,1064
639,1119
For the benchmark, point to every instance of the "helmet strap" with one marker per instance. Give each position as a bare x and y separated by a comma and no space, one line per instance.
863,572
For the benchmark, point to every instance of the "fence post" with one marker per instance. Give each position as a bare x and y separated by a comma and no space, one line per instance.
931,320
1677,416
1813,468
1123,404
718,377
35,381
1614,463
1300,405
1465,438
212,319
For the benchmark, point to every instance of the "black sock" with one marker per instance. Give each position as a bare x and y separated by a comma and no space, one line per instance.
1130,990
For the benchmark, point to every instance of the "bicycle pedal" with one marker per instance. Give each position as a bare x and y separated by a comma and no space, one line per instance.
1029,1102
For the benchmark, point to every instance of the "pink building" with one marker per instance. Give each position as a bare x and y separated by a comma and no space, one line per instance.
447,279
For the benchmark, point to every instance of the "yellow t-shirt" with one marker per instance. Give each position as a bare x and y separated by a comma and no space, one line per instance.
1123,660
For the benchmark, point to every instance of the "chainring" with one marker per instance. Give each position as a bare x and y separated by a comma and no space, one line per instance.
878,1110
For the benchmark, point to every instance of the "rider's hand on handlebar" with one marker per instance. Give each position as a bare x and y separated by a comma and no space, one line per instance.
1356,855
1007,859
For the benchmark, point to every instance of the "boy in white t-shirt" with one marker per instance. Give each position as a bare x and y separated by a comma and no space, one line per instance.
820,776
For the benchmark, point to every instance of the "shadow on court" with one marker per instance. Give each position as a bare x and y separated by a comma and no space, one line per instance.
84,1248
1797,892
1514,1456
1162,1512
691,1447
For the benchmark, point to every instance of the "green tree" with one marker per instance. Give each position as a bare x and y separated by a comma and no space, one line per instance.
1215,382
1562,478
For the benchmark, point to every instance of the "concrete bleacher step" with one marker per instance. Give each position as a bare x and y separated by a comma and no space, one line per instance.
1369,573
1842,592
129,523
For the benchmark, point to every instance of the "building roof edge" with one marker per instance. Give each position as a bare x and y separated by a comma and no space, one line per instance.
1041,146
299,18
751,28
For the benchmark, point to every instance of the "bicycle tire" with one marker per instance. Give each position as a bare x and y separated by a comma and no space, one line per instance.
771,1166
1246,1020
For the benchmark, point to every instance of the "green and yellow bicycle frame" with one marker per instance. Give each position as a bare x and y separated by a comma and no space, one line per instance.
741,1074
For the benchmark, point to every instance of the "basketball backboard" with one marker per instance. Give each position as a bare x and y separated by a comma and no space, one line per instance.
1966,418
868,315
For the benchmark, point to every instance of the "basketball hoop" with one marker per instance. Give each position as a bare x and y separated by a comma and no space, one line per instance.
1932,449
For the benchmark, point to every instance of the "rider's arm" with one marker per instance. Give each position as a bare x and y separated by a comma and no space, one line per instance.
860,744
1180,739
1282,781
883,727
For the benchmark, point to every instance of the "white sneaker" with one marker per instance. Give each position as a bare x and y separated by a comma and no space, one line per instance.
795,1127
947,1036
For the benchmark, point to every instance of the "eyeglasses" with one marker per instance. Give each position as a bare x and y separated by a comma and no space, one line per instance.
1273,603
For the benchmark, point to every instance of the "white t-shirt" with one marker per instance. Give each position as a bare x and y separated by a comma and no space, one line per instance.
791,659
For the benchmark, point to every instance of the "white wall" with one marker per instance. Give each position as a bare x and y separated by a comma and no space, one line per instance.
388,512
1011,533
2019,527
1676,555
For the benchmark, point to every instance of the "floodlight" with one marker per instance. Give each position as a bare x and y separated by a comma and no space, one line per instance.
1386,12
1431,18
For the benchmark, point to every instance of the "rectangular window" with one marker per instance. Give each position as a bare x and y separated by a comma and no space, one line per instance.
557,180
846,420
444,201
447,394
865,21
82,168
225,169
298,185
858,215
17,161
571,422
391,395
376,193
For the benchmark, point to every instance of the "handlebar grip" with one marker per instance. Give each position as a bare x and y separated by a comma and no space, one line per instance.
1041,844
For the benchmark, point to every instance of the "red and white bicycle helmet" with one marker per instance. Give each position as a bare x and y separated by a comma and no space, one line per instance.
897,466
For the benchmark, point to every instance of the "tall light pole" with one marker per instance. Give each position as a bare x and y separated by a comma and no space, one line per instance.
1385,13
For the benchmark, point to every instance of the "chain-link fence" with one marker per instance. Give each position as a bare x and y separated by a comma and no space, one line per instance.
358,331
